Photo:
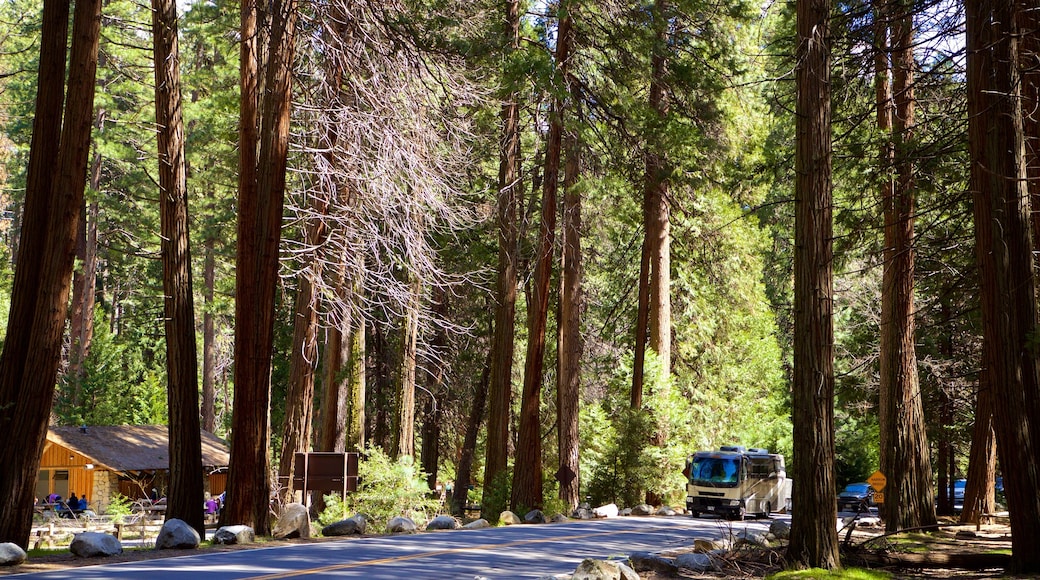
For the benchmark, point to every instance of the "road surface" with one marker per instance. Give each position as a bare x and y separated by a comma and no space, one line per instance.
521,551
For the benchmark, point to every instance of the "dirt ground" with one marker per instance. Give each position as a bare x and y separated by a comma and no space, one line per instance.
743,564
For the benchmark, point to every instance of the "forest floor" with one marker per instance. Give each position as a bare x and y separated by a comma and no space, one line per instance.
952,552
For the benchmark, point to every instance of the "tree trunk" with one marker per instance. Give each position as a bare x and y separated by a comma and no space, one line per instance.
1028,18
814,538
568,389
209,336
460,493
431,434
527,473
39,299
1004,248
656,220
84,282
500,394
909,501
404,437
982,459
186,475
260,215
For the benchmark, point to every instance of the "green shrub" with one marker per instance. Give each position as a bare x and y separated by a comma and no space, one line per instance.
387,488
119,507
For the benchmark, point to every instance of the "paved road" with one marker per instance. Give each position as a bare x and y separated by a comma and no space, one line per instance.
523,551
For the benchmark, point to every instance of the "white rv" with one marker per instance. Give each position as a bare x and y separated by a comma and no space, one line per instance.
734,482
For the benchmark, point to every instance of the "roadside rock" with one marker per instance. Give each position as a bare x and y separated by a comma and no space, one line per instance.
534,517
695,561
756,539
606,511
94,544
780,529
11,554
350,526
647,562
294,522
591,569
443,523
477,524
702,545
177,535
665,511
508,518
234,535
400,524
559,519
642,510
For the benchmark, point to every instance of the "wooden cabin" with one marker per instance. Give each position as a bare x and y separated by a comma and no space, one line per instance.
102,461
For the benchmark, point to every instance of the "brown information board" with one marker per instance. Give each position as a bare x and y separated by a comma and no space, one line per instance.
326,471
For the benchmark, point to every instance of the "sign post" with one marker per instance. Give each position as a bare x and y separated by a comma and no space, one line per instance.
877,481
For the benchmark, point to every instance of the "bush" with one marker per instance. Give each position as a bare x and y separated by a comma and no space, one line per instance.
387,488
119,507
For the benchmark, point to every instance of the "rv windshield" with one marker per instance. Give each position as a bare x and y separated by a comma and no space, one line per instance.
715,471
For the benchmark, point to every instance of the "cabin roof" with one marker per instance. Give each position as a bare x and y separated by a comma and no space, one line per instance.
132,447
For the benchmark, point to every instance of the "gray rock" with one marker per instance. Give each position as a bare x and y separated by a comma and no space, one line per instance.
534,517
647,562
582,513
780,529
177,535
508,518
477,524
642,510
749,537
11,554
443,523
559,519
665,511
591,569
606,511
400,524
234,535
702,545
94,544
695,561
293,522
350,526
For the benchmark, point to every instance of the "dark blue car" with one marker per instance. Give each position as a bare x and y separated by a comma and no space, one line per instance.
856,497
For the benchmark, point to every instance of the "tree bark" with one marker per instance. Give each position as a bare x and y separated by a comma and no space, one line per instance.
982,459
571,346
500,394
909,501
39,298
814,538
527,474
84,282
209,336
259,228
186,475
463,472
1004,247
404,436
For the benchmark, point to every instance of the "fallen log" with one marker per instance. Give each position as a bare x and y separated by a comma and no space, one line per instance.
962,560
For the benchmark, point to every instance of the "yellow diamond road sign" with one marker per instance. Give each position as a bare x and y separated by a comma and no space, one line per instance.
877,480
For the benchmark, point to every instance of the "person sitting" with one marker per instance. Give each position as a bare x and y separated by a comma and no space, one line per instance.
53,498
73,501
82,504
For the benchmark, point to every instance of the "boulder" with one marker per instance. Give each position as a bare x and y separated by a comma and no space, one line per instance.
582,513
400,524
606,511
625,512
965,535
702,545
11,554
508,518
534,517
234,535
753,538
642,510
177,535
665,511
780,529
443,523
591,569
695,561
559,519
477,524
350,526
294,522
94,544
647,562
